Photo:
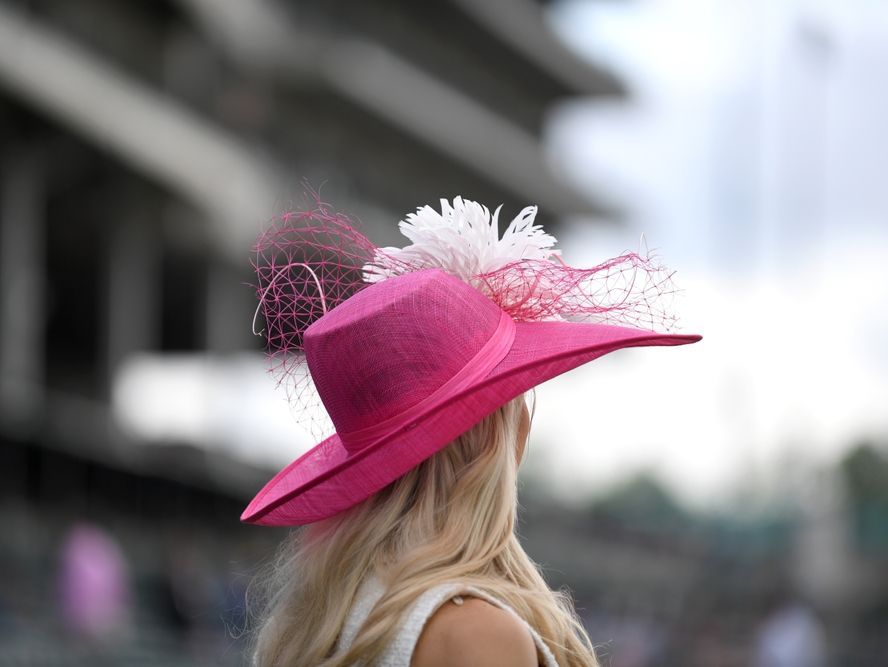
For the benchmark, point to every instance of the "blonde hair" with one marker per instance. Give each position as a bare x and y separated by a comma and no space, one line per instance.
452,518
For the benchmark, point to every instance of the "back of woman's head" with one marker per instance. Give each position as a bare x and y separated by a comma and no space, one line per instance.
451,518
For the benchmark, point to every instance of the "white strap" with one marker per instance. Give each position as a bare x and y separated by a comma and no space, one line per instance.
399,652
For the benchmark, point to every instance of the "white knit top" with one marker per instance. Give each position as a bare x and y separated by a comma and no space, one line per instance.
400,650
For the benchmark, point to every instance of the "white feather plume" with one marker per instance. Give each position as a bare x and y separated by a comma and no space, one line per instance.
463,240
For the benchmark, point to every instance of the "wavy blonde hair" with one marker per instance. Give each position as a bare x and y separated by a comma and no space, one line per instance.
452,518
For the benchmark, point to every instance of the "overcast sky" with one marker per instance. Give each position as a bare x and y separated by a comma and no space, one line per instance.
753,153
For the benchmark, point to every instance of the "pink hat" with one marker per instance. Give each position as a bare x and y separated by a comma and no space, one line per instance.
406,364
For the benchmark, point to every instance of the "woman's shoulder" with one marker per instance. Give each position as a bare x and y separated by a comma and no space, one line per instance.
474,632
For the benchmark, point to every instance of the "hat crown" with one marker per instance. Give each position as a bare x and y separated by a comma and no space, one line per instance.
394,343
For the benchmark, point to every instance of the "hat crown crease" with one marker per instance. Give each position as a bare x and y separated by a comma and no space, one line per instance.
491,353
390,354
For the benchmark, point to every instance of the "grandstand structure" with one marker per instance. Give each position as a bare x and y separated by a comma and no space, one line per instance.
143,146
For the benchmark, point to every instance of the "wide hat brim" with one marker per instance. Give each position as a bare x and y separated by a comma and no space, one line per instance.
328,478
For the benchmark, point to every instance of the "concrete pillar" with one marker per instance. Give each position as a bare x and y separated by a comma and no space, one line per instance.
132,315
229,308
22,288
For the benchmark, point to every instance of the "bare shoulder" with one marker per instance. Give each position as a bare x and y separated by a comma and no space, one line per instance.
474,634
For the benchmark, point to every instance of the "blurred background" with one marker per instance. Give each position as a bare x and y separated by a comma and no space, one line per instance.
722,504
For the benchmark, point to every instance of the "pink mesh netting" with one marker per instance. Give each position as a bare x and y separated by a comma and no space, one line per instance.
629,290
307,263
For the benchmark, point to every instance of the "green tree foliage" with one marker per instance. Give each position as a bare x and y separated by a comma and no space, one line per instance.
865,471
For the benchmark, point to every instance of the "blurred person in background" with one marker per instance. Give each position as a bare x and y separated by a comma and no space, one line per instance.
94,595
790,636
422,357
197,593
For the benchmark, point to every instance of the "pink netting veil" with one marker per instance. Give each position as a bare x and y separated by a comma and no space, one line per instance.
629,290
307,263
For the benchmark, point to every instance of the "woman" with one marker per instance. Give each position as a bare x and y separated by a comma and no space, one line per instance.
421,357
